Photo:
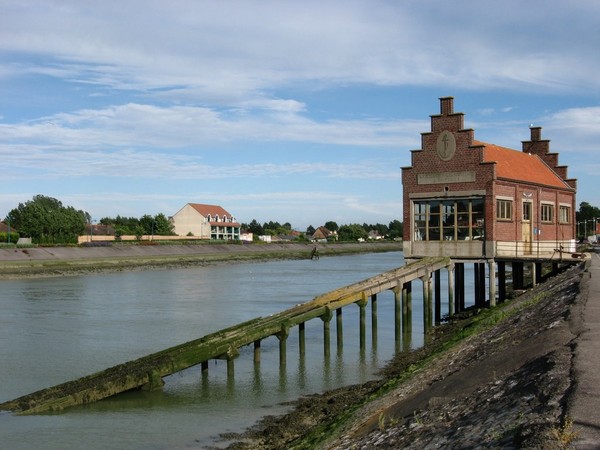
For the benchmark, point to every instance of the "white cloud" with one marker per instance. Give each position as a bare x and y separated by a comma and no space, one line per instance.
242,51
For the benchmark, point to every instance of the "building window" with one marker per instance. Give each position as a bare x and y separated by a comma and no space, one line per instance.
564,214
504,209
547,212
448,220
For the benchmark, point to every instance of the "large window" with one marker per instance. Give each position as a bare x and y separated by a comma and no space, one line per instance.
564,214
448,220
504,209
547,212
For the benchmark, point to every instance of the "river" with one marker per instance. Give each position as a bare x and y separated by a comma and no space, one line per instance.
56,329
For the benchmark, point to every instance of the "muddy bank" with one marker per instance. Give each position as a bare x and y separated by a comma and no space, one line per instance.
500,379
60,261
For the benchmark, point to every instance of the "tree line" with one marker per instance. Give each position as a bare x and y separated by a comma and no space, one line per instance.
47,221
348,232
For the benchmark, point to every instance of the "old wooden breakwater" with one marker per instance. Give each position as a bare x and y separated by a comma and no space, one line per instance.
147,372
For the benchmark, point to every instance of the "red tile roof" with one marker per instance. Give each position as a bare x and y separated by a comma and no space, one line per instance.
519,166
213,211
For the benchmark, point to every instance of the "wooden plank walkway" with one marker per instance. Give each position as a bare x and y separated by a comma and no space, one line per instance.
147,372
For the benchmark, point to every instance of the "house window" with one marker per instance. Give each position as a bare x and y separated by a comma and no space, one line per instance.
547,212
504,209
448,220
564,214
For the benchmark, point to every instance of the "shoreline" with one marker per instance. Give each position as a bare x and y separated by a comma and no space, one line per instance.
18,263
502,378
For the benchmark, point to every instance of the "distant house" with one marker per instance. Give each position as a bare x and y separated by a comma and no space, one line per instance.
322,234
205,222
374,235
4,228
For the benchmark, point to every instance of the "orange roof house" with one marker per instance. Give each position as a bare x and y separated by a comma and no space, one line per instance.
205,222
469,199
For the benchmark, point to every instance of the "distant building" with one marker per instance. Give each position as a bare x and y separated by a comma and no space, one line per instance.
205,222
323,234
469,199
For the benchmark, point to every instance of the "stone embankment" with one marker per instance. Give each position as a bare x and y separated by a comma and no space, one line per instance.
56,261
508,384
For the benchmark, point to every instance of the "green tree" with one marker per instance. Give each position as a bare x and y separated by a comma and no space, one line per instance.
352,232
162,225
310,230
331,226
46,221
254,227
585,219
396,229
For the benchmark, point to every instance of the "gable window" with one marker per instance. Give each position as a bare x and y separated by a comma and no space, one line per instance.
547,212
504,209
564,214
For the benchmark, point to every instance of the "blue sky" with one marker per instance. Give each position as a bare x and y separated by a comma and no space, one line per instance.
299,112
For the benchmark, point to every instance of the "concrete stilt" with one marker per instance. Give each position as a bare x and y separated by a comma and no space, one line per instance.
437,296
451,290
426,280
501,281
492,281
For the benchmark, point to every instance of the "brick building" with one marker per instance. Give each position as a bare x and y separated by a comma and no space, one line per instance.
473,200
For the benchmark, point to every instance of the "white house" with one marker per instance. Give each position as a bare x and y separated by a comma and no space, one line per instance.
205,222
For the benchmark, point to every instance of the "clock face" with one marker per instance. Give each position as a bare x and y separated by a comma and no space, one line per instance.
446,145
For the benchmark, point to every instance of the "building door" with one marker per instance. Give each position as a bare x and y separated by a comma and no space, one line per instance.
526,228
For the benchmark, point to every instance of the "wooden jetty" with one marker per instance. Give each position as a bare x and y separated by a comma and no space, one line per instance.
147,372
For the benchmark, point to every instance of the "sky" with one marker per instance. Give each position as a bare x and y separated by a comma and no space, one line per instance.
288,111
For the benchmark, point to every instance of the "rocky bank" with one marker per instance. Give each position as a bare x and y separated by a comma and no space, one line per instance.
506,384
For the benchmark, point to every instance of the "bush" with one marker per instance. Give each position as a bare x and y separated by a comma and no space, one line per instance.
6,239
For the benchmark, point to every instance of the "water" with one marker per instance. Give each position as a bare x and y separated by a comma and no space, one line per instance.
54,330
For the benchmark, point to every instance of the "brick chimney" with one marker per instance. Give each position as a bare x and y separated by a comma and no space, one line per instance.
446,105
536,133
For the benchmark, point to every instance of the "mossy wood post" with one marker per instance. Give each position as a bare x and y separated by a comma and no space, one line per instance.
326,318
339,328
225,344
362,304
397,313
282,336
257,350
302,338
374,320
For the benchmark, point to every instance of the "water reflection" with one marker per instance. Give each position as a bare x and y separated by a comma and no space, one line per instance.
58,329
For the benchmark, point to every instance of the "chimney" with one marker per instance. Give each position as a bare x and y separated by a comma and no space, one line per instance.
536,133
446,105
